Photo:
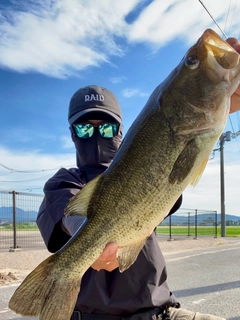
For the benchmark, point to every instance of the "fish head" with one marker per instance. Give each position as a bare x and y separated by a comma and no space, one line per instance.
210,44
195,101
215,59
200,87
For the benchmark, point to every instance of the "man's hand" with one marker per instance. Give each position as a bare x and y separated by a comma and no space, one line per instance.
108,259
235,99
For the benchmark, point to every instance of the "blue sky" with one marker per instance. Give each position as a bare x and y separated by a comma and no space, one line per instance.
49,49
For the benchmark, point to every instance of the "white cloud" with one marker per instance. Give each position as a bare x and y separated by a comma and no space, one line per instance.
128,93
117,79
63,39
67,142
60,38
162,22
40,167
22,137
30,170
207,196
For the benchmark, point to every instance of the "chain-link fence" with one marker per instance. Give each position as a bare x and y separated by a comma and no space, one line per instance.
18,213
18,228
190,223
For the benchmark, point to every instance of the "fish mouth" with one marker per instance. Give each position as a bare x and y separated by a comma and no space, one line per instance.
225,55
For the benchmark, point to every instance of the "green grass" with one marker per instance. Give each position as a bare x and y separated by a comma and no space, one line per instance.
20,227
231,231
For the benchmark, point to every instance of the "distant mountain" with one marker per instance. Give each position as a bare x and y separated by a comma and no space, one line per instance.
230,217
202,219
6,214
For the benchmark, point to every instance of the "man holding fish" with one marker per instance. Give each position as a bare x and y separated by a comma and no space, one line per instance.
128,280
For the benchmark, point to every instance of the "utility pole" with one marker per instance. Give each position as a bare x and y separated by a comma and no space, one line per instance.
227,136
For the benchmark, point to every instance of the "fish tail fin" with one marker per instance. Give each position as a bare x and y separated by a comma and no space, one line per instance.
47,293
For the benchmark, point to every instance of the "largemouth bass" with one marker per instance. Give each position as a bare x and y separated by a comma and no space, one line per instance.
166,149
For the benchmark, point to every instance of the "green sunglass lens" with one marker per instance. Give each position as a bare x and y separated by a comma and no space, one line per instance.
84,130
108,130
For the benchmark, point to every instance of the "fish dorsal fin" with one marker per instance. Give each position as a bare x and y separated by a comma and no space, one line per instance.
128,254
78,205
197,175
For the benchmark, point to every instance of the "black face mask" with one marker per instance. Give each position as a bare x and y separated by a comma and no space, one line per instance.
95,154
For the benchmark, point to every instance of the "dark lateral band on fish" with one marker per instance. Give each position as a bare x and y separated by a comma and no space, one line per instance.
173,135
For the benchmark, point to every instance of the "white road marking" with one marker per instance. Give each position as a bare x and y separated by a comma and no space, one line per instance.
199,254
4,310
15,284
199,301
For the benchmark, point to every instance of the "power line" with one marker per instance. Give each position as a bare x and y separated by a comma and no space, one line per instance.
230,119
227,136
31,171
238,120
27,180
234,135
227,15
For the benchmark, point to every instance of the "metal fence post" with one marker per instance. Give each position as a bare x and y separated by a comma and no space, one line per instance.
195,224
216,224
188,224
170,227
14,221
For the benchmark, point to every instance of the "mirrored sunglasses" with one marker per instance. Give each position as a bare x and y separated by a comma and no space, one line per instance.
86,130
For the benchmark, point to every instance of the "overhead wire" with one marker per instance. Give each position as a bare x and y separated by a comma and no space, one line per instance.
20,190
12,170
232,15
229,28
31,171
234,135
37,171
213,19
238,120
5,173
222,31
27,180
225,26
229,23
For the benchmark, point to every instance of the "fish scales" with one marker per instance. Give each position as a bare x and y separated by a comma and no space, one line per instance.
166,149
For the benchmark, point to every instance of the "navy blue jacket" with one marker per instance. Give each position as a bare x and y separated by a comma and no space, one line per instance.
142,286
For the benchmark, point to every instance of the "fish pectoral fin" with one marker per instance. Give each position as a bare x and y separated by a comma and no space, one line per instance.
78,204
197,175
184,162
127,255
46,292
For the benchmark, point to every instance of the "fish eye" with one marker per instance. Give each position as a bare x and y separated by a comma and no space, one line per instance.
192,62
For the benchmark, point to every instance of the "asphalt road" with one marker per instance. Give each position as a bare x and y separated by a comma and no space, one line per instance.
207,280
24,239
204,280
